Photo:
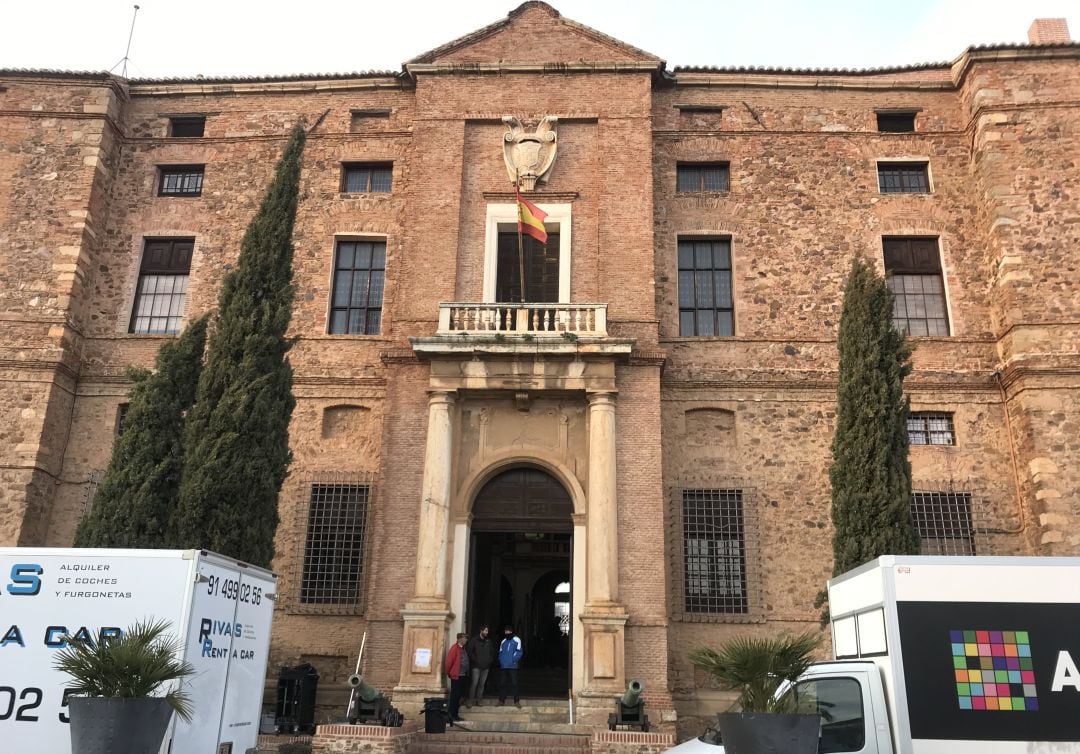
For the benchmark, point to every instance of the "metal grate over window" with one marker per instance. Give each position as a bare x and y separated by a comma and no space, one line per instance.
904,177
334,544
181,180
702,177
714,551
930,428
943,520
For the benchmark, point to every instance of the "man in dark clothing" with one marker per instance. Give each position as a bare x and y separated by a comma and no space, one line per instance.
481,653
457,668
509,657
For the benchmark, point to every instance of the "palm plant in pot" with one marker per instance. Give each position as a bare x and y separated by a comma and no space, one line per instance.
756,667
117,700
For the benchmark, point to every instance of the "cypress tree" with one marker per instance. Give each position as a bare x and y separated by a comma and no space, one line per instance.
870,474
138,493
236,439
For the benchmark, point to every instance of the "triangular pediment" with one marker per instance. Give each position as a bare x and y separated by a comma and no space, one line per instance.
535,33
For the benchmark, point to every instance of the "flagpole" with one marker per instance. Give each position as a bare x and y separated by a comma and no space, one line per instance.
521,245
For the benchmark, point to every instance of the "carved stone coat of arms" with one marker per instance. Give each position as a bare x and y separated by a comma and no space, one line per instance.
529,156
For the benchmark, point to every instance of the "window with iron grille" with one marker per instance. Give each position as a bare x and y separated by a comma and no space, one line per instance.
701,177
714,551
943,521
913,274
187,126
899,122
181,180
334,544
356,303
706,306
161,293
930,428
363,177
903,177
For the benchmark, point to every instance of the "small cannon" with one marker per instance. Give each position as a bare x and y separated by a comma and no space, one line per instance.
368,705
630,709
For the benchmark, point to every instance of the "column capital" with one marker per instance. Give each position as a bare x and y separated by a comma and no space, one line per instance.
601,398
447,397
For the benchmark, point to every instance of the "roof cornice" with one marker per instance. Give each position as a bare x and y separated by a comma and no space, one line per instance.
465,69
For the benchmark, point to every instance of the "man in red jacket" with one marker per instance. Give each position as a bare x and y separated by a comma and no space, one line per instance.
457,668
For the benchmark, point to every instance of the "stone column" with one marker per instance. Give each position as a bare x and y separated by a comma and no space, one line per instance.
427,614
603,562
604,618
433,539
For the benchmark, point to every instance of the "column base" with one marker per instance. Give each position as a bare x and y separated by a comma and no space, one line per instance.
604,627
422,651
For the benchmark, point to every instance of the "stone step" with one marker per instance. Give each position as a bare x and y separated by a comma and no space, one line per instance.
520,726
457,741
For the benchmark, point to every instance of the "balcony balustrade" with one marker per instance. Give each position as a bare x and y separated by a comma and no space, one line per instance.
537,320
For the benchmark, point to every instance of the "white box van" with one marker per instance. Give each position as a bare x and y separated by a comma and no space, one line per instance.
219,607
949,655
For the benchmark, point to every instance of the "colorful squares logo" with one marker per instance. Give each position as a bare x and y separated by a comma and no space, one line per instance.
993,670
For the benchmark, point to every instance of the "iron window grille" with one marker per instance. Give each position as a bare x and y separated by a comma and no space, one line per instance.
92,483
896,122
356,300
913,274
187,127
702,177
366,178
333,563
181,180
944,523
930,428
714,551
161,292
904,177
706,305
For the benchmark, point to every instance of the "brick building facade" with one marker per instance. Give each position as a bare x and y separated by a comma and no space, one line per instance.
638,465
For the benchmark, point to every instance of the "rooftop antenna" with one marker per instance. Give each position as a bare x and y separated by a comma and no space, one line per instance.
126,59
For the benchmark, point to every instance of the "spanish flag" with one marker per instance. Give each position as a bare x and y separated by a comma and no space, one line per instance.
530,218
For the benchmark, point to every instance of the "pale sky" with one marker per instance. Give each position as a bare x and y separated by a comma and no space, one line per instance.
265,37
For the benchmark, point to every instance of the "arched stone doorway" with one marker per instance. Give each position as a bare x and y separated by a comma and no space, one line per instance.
520,567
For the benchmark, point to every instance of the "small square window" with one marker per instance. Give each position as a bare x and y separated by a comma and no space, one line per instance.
365,177
896,123
930,428
181,180
903,177
187,126
702,177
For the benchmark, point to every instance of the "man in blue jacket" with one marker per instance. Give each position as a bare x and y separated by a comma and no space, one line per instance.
509,656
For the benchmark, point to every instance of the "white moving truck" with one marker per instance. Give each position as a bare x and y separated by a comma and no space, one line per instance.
220,608
948,655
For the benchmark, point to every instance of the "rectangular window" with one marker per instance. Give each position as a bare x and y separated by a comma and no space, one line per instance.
357,177
701,177
895,123
943,521
903,177
714,552
541,269
161,293
706,306
121,416
187,126
180,180
913,273
356,303
334,544
930,428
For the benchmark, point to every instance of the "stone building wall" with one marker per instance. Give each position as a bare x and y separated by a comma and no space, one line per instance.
78,160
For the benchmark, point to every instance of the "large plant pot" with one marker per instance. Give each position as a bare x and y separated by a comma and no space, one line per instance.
749,733
118,726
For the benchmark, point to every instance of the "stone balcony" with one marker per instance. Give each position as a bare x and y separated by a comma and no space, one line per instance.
581,320
516,329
